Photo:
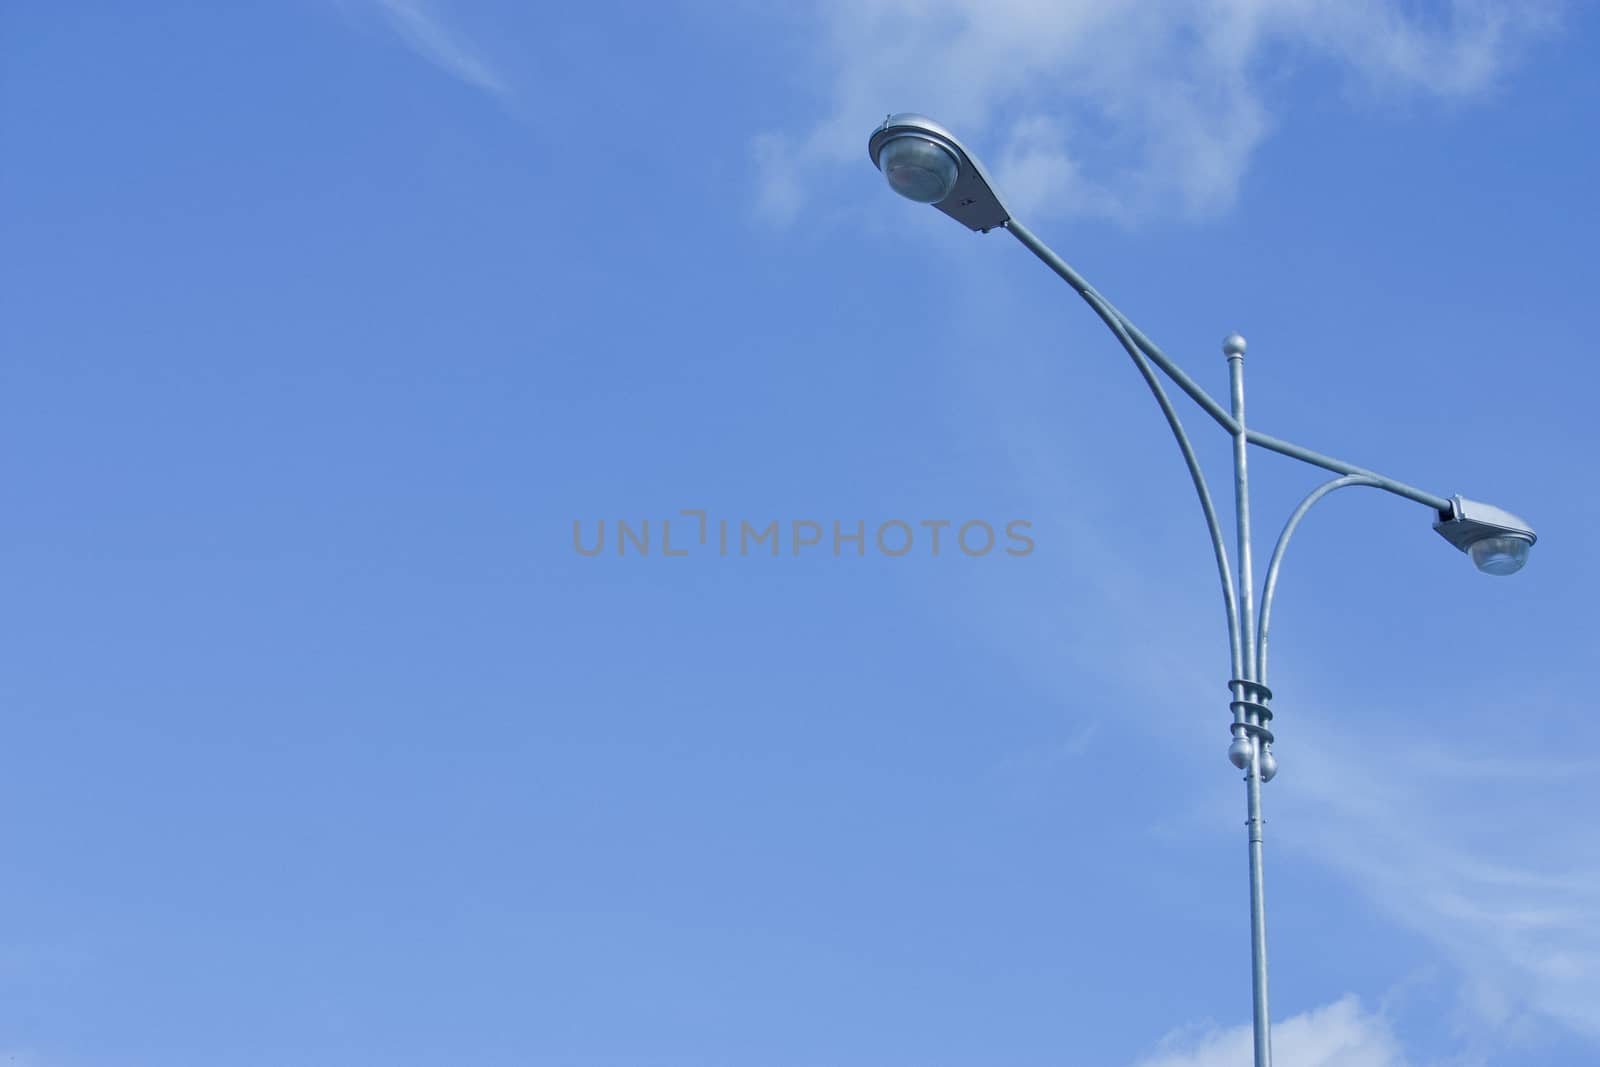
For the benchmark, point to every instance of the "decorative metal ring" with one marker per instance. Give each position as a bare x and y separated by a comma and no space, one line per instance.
1261,691
1251,705
1255,731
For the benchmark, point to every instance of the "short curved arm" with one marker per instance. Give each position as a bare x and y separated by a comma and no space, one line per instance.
1271,585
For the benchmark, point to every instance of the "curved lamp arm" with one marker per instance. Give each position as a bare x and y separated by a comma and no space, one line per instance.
1271,585
1204,399
1147,346
1230,601
1142,351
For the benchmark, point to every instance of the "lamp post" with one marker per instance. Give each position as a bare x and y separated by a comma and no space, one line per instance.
924,162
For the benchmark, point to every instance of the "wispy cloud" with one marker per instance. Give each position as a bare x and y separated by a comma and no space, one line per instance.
1341,1034
425,32
1485,849
1474,855
1117,108
1492,859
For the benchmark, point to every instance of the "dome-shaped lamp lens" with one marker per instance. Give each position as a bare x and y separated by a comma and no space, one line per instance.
1500,555
918,169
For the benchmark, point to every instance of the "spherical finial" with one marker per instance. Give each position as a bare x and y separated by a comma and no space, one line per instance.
1269,764
1240,751
1233,345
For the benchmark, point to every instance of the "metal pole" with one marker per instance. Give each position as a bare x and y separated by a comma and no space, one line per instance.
1258,914
1247,700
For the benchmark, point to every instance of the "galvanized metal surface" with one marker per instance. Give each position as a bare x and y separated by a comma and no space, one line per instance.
1270,587
1260,1017
1470,520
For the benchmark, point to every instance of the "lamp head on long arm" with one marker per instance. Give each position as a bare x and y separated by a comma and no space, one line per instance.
1497,540
924,162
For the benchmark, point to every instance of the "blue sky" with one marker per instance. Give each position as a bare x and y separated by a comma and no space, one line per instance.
326,321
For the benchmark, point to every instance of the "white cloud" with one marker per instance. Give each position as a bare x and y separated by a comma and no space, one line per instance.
1341,1034
1153,109
1416,830
422,29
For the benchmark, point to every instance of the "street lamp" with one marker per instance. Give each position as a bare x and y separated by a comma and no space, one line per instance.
925,162
1497,540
